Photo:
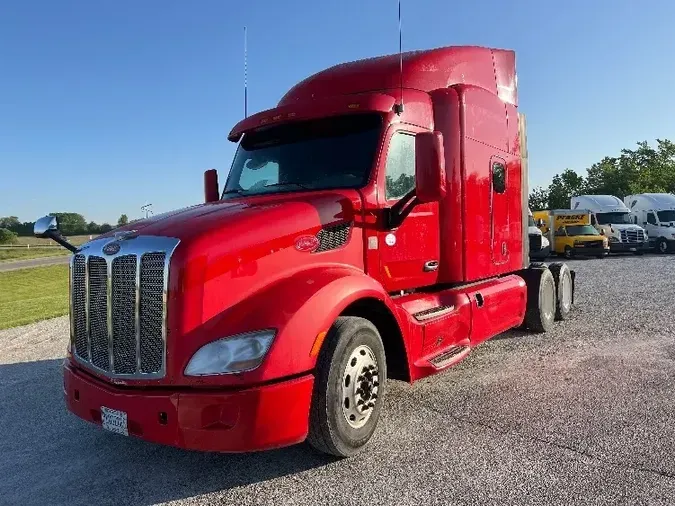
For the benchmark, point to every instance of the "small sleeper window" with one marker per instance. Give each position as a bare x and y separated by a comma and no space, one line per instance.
498,177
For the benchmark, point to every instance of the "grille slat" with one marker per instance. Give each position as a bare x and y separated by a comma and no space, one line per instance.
118,308
150,311
79,293
124,314
98,312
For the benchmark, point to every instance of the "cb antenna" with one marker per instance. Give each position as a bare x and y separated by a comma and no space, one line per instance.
399,107
245,76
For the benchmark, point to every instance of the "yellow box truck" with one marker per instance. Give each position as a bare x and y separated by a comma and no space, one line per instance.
570,233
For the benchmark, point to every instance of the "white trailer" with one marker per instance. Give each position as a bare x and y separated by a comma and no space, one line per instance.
611,217
655,212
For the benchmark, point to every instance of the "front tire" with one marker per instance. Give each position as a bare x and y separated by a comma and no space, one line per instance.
662,245
349,388
568,252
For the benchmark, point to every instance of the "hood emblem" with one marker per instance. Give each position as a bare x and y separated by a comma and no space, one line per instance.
306,243
111,248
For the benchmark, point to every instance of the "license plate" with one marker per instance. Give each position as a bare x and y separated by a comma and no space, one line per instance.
114,420
633,249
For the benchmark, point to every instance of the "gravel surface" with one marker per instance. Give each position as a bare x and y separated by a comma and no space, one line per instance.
583,414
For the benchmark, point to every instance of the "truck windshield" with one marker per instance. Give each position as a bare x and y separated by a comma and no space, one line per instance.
617,218
335,152
666,216
581,230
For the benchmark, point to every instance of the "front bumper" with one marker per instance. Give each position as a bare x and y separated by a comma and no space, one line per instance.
259,418
580,251
626,247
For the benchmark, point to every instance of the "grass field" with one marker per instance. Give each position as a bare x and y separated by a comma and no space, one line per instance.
29,295
34,241
9,255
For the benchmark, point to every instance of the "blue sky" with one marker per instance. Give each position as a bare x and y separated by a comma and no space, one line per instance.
105,106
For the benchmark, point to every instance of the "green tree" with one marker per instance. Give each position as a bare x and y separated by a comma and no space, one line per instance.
71,223
10,222
563,187
105,227
538,199
124,220
7,236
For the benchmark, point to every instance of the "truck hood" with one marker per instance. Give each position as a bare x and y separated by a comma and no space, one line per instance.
230,250
193,222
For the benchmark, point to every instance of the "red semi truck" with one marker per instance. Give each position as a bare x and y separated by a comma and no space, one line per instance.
373,226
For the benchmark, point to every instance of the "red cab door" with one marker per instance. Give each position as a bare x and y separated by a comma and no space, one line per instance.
409,254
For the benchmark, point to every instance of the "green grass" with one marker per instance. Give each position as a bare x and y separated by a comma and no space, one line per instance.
34,241
9,255
29,295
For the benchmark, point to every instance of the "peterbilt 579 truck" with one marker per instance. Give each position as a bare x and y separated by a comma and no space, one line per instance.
373,226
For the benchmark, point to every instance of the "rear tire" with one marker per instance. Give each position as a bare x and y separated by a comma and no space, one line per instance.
564,289
541,299
351,373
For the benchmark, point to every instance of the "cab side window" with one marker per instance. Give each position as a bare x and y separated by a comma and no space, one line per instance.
400,168
651,219
498,177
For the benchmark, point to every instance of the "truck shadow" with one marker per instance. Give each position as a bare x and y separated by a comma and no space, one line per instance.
51,457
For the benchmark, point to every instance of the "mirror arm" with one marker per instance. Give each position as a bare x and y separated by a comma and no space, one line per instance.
55,236
394,215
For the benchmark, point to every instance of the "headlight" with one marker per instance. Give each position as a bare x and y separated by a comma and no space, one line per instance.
228,355
613,239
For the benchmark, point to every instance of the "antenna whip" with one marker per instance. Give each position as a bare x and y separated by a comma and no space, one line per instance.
245,76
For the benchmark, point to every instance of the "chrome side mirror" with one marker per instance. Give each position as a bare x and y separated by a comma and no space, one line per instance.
46,226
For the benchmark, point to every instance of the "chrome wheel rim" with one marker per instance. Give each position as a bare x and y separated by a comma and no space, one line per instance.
548,302
663,246
360,387
566,293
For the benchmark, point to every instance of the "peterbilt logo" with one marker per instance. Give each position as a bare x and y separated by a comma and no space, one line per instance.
111,248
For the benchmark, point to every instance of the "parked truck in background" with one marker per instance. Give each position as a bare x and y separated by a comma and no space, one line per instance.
611,217
373,226
540,247
655,212
570,233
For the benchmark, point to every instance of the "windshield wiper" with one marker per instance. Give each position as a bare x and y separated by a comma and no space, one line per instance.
288,184
234,190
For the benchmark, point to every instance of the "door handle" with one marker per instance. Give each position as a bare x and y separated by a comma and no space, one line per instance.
431,265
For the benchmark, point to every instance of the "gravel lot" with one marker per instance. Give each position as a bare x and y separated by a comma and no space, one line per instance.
582,415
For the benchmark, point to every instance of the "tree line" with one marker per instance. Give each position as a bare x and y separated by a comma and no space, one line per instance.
645,169
69,224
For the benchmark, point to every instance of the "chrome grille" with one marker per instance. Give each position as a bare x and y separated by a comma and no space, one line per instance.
78,323
124,314
118,307
98,313
151,308
632,236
